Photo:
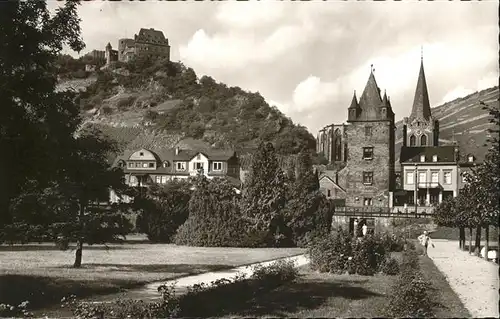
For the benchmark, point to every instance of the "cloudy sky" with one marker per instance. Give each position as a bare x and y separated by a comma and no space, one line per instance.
307,58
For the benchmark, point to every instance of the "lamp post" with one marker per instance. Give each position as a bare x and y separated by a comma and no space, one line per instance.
416,188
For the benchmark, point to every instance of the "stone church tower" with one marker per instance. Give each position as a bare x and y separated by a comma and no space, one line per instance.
370,149
421,129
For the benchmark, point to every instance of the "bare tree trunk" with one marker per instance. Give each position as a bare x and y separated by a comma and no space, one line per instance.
78,254
477,246
487,244
461,242
470,240
79,242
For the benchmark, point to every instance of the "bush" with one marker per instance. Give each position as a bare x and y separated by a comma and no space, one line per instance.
163,210
410,297
368,255
390,266
392,242
214,219
339,253
331,253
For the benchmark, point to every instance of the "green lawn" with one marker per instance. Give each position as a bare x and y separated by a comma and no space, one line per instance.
42,274
338,296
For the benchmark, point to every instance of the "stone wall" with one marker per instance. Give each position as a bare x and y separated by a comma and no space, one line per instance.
380,164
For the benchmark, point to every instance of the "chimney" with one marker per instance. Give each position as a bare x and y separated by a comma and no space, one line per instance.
336,177
177,150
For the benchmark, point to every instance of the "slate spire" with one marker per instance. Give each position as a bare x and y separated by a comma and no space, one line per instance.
371,93
354,102
421,106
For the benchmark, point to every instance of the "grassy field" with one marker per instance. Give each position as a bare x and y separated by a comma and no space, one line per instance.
328,295
42,274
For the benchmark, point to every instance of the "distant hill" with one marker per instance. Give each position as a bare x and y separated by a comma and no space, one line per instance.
462,120
151,104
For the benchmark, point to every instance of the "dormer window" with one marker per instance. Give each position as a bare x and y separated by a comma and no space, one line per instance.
422,158
434,158
470,158
166,164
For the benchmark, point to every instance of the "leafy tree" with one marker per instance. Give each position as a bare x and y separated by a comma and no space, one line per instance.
70,207
263,196
307,210
36,121
214,218
57,174
163,209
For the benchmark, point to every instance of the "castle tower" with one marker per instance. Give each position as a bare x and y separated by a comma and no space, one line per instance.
370,148
421,129
108,53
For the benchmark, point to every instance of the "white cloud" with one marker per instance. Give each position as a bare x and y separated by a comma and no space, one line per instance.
248,14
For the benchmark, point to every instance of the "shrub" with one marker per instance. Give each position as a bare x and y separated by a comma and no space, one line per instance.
339,252
214,219
331,253
163,210
390,266
392,242
410,297
368,255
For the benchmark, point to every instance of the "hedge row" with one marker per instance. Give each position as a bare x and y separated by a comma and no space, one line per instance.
339,252
201,300
410,297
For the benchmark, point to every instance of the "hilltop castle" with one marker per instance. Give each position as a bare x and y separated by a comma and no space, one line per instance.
149,42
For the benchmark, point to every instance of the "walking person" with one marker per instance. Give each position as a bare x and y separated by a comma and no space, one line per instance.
425,240
365,229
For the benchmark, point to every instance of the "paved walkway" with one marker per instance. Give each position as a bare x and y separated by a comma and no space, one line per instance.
150,291
474,280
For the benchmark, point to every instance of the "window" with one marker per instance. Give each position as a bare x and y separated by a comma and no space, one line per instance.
165,164
368,131
151,165
413,140
367,152
181,166
144,165
141,154
409,178
329,193
137,165
198,156
447,177
422,177
368,178
435,177
470,158
198,165
158,179
217,166
367,201
464,178
422,158
130,165
164,179
423,140
434,158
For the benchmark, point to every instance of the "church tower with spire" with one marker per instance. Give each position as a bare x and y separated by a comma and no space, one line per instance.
420,128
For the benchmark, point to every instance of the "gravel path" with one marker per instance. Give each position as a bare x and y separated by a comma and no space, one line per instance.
474,280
